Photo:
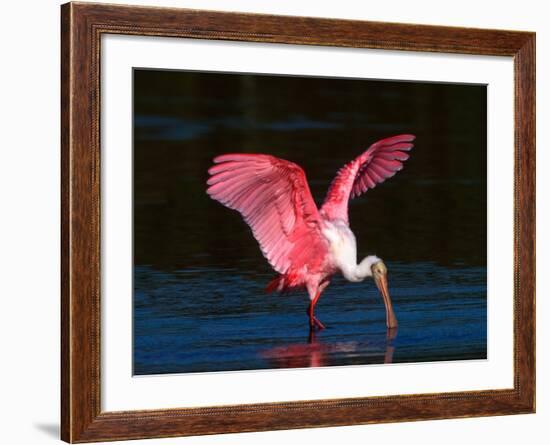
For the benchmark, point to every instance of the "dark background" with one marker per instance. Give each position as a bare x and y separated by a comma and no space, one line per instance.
199,274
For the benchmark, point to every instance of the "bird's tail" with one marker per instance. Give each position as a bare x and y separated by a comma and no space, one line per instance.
276,284
284,283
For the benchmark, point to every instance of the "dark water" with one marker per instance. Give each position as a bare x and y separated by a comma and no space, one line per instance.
199,303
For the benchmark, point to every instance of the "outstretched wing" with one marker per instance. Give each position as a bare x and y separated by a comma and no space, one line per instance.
274,199
381,161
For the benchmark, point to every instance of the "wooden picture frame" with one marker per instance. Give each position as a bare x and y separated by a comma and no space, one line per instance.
83,24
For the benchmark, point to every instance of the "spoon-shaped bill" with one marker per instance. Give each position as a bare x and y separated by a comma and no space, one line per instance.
382,284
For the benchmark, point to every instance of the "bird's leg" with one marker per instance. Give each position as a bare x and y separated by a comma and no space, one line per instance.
314,291
313,321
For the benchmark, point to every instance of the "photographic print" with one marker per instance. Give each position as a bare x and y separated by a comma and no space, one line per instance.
294,222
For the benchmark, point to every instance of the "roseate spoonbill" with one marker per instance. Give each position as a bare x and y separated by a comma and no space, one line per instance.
306,245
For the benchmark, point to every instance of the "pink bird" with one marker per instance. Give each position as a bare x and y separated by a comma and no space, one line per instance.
304,244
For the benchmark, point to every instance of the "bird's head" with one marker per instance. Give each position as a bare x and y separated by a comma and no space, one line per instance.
380,276
379,270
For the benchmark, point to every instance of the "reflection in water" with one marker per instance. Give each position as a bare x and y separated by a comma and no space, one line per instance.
199,277
315,353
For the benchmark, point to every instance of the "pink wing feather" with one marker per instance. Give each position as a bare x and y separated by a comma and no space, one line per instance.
274,199
381,161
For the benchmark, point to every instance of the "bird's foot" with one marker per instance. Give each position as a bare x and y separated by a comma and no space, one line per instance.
315,323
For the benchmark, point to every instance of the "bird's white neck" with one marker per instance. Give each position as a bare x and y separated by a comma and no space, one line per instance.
359,272
344,251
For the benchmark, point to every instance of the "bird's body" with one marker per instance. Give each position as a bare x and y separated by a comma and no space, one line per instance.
304,244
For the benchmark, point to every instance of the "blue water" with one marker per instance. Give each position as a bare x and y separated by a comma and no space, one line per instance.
199,320
199,276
